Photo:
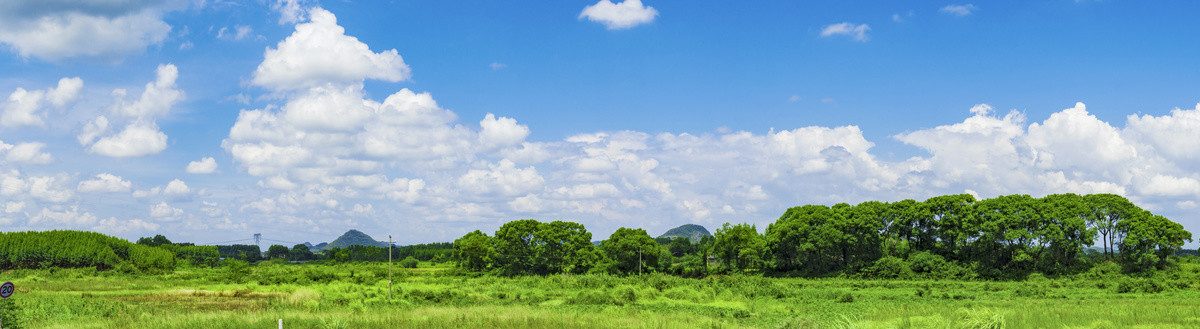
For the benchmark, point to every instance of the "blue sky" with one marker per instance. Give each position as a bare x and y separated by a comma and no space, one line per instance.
640,114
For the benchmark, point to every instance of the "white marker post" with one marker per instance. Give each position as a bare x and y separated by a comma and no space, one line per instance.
6,290
280,324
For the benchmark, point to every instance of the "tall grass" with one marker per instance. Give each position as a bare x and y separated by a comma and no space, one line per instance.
356,296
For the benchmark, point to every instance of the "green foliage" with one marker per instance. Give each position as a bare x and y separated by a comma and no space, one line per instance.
157,240
739,247
888,268
531,247
474,251
236,270
300,252
249,253
196,255
630,251
11,314
277,252
72,249
409,262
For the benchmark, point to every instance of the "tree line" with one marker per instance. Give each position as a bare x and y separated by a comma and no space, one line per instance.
33,250
945,236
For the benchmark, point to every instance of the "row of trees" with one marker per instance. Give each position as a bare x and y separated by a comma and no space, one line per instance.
32,250
362,253
1010,235
531,247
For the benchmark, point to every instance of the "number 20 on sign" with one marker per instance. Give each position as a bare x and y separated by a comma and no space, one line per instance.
7,289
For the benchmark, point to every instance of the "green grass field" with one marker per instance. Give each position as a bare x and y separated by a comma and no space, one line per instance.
437,296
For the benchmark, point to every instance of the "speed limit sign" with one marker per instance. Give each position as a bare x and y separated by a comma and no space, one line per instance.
7,289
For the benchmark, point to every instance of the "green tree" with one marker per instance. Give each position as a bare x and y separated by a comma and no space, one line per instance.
910,221
1108,210
795,243
953,221
156,241
1149,240
300,252
739,247
409,262
563,247
517,246
474,251
277,252
630,251
1065,232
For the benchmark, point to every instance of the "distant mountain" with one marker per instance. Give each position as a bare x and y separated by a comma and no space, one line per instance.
316,247
351,238
690,231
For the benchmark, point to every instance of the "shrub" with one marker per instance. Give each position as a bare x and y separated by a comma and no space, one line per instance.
10,315
409,262
236,271
888,268
845,297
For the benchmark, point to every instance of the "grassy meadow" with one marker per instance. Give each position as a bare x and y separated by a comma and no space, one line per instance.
355,295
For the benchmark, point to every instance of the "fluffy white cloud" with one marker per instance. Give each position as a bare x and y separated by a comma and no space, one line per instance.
157,97
137,139
165,212
319,52
176,187
25,108
141,136
28,153
958,10
501,131
207,165
108,30
290,11
103,183
64,217
175,190
503,179
1171,135
617,16
858,32
1164,185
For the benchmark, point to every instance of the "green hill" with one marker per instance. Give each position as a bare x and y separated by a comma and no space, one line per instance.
351,238
690,231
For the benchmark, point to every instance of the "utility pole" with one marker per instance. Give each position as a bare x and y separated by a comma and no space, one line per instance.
389,266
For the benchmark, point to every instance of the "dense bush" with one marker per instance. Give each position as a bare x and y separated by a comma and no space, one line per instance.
888,268
409,262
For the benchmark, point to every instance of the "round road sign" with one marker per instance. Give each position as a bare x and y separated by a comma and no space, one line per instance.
7,289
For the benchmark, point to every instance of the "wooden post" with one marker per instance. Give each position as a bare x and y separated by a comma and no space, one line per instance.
389,267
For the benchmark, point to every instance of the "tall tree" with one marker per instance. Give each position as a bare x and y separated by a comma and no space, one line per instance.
953,221
630,251
563,247
517,246
739,247
474,251
1108,210
277,252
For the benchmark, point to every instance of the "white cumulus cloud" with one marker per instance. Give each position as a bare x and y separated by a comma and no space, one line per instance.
105,182
106,30
207,165
617,16
27,107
